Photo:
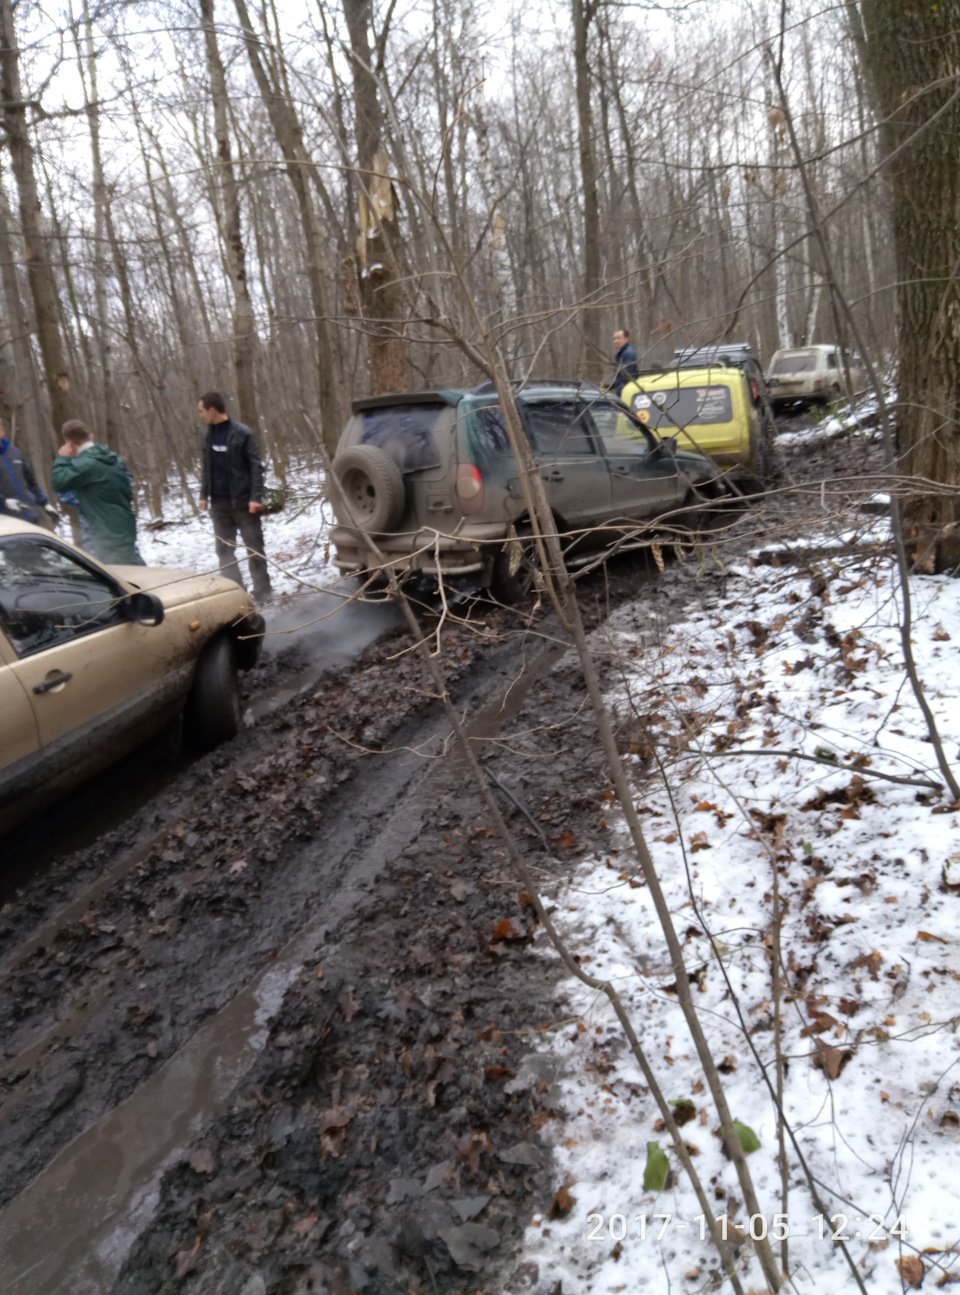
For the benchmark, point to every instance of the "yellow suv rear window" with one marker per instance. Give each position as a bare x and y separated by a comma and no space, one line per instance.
683,406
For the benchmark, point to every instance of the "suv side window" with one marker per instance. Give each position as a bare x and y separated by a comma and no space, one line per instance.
619,433
558,428
832,360
47,596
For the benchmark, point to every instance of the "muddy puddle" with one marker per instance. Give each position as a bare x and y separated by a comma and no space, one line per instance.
72,1228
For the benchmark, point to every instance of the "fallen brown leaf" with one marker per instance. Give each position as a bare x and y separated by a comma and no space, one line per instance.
911,1270
870,961
562,1203
829,1059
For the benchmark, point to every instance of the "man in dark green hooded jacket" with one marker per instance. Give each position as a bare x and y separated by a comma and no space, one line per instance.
94,479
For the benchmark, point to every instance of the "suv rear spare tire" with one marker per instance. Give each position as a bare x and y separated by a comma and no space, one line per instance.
372,486
213,710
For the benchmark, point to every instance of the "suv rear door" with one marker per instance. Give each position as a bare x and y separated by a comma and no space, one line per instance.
418,436
644,481
573,468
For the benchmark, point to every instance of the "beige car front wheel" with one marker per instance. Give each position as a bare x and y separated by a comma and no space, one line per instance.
214,709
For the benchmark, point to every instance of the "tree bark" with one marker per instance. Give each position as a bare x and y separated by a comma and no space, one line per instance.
381,291
912,51
289,136
108,417
244,323
43,285
21,389
583,14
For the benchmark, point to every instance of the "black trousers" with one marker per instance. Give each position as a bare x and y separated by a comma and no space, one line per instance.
227,521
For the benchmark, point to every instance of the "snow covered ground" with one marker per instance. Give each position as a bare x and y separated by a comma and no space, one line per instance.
296,539
847,418
869,875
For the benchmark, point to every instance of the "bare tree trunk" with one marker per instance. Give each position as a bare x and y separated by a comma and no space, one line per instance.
43,286
502,274
381,291
813,308
289,136
101,387
583,14
21,389
145,443
778,189
244,324
913,55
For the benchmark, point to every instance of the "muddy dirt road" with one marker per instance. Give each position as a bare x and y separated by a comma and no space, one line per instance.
271,1031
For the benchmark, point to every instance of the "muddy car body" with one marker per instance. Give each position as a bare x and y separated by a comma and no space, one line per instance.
94,660
430,476
811,375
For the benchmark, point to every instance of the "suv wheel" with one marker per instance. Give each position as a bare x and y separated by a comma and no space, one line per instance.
372,486
514,570
213,711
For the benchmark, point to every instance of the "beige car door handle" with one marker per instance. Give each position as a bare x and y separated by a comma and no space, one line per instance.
55,681
553,475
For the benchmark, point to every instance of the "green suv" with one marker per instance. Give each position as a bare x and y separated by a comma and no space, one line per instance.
431,477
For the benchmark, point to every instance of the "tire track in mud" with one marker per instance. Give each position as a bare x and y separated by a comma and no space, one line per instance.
105,974
185,920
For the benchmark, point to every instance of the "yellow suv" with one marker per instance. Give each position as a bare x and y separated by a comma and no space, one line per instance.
710,410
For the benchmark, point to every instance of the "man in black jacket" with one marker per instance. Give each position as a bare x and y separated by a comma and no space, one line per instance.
231,482
626,361
20,493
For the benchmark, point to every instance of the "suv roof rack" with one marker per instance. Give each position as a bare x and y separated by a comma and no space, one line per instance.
731,350
578,384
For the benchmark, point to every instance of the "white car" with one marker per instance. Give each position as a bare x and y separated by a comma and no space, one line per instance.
94,660
809,375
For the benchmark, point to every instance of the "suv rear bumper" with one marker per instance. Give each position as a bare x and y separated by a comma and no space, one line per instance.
798,389
470,552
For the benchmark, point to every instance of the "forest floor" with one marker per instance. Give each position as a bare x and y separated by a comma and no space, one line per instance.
291,1026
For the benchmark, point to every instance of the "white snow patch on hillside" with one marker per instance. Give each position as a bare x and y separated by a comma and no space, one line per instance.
730,698
296,540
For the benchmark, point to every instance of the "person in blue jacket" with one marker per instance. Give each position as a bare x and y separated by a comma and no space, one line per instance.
20,493
626,361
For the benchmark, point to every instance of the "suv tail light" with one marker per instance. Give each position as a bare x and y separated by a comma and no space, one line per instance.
469,488
755,390
817,383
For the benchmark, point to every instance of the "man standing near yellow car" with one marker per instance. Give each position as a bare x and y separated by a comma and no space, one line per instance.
626,362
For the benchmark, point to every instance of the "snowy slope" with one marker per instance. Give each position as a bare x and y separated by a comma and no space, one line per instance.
870,880
296,539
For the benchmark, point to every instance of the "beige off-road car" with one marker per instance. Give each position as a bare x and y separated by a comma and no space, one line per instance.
95,660
813,375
